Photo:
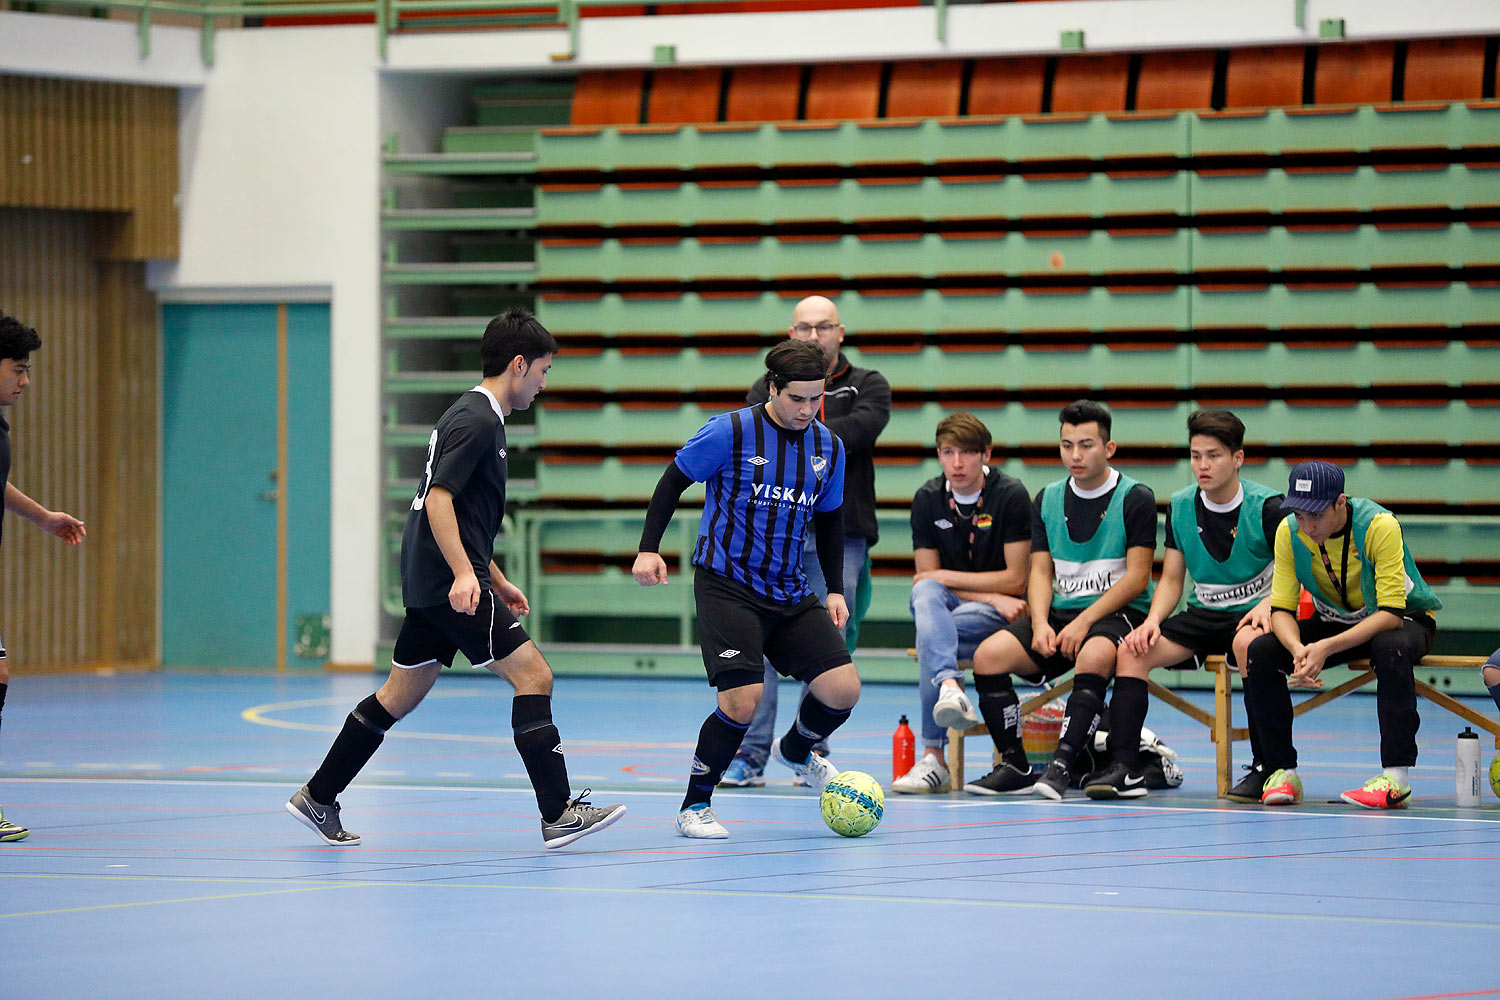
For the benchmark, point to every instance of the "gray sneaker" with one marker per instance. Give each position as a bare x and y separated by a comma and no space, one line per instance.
579,819
320,819
10,832
815,772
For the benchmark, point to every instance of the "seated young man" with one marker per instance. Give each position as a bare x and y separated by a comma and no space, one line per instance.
971,540
1092,539
1369,601
1221,531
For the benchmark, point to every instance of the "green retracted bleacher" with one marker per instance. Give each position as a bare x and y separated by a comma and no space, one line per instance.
1330,272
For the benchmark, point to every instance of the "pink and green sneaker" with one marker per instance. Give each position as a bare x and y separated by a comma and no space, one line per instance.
1380,792
1283,788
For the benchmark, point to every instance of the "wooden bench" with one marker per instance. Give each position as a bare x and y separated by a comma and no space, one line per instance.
1220,723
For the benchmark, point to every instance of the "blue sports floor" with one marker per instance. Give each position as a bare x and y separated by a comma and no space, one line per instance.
162,864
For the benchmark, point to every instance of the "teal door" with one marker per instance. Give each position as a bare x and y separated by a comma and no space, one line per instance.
245,490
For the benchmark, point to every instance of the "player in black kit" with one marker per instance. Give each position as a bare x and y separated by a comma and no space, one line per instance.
17,341
456,598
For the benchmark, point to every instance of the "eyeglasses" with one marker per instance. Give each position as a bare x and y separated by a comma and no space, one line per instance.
822,329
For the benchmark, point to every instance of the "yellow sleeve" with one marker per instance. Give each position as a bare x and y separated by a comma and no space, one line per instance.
1387,551
1286,591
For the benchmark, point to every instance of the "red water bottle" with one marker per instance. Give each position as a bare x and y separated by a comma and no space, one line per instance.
903,750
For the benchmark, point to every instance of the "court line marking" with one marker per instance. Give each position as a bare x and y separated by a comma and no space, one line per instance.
312,887
1320,918
256,715
1260,813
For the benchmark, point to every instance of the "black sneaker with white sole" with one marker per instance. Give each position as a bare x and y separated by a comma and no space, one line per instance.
1054,782
579,819
1115,782
1251,785
1006,779
320,819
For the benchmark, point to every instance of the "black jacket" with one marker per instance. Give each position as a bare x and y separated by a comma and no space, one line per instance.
856,407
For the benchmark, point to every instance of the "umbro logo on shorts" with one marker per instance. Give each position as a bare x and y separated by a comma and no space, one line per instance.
514,625
757,460
729,653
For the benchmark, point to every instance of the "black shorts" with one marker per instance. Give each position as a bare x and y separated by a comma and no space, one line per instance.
1203,630
432,635
739,630
1113,627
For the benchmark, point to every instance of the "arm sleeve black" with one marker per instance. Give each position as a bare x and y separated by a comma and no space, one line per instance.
828,530
669,490
1140,517
1271,516
1039,541
859,428
1015,515
922,535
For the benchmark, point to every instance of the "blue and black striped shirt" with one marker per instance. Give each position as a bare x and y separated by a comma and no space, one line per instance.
763,484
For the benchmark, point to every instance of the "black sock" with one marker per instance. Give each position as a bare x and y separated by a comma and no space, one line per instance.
3,689
1001,710
815,723
1084,708
363,732
717,741
540,746
1494,693
1127,710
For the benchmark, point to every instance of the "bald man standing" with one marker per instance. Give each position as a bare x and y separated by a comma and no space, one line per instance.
856,407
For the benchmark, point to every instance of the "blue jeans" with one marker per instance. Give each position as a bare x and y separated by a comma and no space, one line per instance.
949,629
755,748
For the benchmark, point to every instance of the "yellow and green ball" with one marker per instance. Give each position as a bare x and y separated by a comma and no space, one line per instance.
1495,775
853,803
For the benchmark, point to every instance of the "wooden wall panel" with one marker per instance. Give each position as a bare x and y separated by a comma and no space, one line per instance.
149,230
127,384
84,441
99,147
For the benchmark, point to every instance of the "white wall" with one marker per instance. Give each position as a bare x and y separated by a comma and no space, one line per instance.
47,45
280,191
281,136
972,30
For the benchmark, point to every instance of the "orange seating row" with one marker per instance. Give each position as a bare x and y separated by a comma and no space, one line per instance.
1438,69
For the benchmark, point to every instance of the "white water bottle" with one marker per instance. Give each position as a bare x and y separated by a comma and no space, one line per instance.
1466,773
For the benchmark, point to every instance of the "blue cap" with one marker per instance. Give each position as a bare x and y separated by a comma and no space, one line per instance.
1313,487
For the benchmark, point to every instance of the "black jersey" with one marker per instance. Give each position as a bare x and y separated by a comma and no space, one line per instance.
4,467
971,539
465,456
1084,515
1217,530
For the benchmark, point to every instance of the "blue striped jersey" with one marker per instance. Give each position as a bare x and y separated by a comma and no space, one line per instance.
763,483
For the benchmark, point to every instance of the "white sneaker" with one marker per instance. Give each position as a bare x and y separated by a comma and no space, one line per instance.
816,772
954,710
927,775
700,823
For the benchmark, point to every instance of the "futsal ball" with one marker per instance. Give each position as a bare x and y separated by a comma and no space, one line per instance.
1494,776
852,803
